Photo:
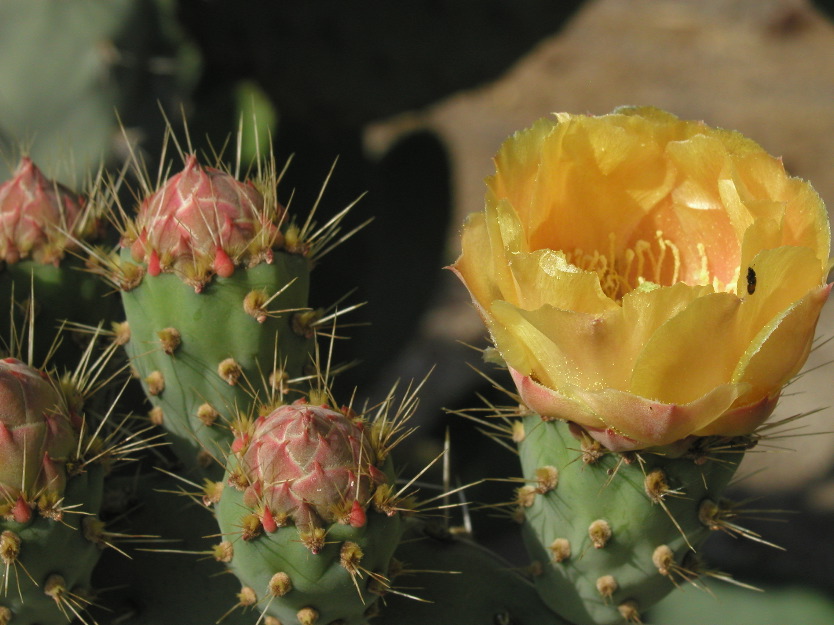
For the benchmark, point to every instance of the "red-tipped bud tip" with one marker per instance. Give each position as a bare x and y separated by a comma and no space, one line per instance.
223,265
21,512
268,521
154,267
357,517
240,443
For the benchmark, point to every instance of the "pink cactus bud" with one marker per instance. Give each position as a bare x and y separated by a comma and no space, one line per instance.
36,434
201,222
311,465
36,215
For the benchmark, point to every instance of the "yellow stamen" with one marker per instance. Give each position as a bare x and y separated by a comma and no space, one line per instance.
703,275
621,271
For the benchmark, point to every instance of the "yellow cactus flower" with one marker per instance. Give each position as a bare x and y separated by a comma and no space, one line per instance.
645,277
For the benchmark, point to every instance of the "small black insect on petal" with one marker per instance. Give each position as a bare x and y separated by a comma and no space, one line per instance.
751,281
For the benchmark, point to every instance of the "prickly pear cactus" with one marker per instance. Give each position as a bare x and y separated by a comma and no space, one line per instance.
614,533
42,227
50,536
214,280
309,514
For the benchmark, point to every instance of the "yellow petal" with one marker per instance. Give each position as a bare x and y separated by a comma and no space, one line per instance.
586,347
487,244
524,346
546,278
761,235
806,222
780,349
493,268
581,172
783,276
686,357
741,420
703,345
644,312
570,348
518,164
474,265
700,161
760,180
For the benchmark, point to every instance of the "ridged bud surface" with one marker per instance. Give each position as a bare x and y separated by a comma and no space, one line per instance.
35,216
306,462
36,434
202,221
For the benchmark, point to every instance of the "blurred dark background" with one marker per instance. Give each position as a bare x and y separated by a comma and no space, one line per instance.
413,98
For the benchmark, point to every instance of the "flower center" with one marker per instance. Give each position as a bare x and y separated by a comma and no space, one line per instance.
646,263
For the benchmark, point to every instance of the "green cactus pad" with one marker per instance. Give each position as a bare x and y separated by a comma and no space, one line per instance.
602,532
52,556
179,338
318,582
62,293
